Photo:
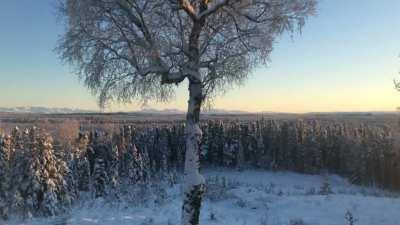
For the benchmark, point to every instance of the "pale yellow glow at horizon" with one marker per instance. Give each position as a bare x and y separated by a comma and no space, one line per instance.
349,99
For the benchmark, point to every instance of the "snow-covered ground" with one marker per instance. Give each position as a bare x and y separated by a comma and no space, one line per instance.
250,198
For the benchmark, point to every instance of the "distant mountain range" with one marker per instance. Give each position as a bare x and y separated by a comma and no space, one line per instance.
55,110
43,110
177,111
158,111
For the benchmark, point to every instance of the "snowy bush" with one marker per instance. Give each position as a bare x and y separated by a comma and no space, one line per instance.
212,216
350,219
218,188
240,203
311,191
325,188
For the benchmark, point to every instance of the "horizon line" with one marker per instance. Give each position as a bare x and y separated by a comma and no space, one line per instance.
68,110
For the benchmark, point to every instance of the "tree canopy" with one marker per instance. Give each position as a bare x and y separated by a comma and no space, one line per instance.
132,49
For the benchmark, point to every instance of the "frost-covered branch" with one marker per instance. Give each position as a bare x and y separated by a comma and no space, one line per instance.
212,8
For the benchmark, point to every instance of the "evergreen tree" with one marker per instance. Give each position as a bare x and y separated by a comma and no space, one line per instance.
300,155
54,188
66,186
242,142
39,185
99,170
25,174
164,153
113,171
82,166
136,166
292,146
205,150
5,148
284,146
260,159
312,158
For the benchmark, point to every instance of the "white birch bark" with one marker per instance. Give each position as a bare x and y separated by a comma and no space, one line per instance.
193,181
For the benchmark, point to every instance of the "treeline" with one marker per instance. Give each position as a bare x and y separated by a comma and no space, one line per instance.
40,177
366,155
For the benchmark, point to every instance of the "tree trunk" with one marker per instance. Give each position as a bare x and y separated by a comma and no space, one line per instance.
193,180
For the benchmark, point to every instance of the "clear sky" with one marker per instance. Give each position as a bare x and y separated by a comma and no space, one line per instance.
345,60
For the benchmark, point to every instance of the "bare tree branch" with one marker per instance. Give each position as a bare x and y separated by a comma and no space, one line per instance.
187,6
213,8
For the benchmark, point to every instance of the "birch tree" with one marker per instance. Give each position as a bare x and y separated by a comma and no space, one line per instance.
128,50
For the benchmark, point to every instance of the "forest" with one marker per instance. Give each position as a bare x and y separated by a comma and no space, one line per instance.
44,176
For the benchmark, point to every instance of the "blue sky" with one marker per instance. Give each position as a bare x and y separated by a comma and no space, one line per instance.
345,60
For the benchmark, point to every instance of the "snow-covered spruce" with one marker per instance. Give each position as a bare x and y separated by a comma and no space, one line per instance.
81,165
99,171
38,184
5,150
113,171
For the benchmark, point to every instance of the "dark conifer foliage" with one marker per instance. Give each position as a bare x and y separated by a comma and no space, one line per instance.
5,150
